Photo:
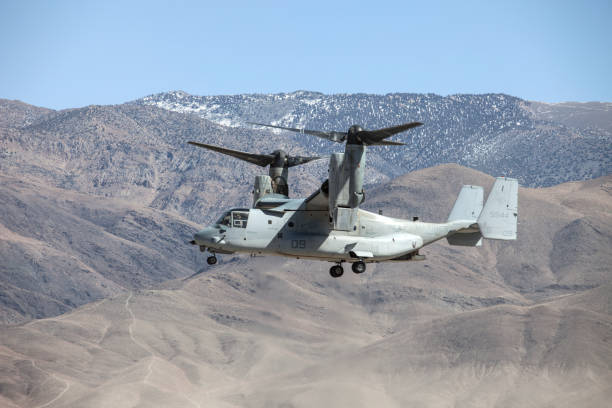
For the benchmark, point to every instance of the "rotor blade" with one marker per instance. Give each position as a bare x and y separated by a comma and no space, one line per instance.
333,136
373,136
297,160
387,143
262,160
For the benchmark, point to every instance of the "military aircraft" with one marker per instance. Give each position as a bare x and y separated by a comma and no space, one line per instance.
329,225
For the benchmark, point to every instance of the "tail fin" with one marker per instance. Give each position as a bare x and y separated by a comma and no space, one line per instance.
468,204
499,216
467,208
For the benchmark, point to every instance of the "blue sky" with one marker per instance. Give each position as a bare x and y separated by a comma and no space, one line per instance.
62,54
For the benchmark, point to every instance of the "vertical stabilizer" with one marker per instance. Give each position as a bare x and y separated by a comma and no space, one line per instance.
467,208
468,204
498,218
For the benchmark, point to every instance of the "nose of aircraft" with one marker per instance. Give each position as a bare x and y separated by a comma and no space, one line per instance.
206,236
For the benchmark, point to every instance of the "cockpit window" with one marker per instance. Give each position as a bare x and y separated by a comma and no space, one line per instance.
234,218
225,219
240,218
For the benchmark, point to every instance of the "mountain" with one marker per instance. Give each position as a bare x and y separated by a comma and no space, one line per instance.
540,144
18,114
140,153
590,115
129,166
138,150
274,333
97,203
60,249
565,231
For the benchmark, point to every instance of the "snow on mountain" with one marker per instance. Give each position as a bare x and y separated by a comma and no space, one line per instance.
495,133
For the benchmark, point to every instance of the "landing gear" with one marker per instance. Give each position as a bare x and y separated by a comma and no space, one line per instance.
336,271
211,260
358,267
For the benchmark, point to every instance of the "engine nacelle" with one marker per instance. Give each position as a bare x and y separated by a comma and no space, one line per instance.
262,188
338,183
346,177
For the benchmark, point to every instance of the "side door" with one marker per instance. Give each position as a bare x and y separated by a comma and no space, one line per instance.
261,230
240,219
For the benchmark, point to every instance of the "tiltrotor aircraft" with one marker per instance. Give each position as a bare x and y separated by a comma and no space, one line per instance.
330,226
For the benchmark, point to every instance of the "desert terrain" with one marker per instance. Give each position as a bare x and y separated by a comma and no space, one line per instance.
510,324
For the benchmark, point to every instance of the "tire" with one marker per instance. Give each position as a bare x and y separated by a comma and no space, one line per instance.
336,271
211,260
358,267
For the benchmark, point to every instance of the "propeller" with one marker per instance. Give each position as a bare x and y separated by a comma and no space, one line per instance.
262,160
349,167
355,134
279,161
278,158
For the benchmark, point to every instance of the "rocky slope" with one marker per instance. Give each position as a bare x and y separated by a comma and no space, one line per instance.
132,161
98,202
141,153
262,334
540,144
18,114
138,150
60,249
565,231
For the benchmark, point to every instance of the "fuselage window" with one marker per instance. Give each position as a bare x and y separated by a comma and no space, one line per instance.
240,219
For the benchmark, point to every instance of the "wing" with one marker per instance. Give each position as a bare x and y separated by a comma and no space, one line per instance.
319,200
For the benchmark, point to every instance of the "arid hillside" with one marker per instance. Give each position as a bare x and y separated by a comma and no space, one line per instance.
61,249
565,231
263,333
104,303
507,324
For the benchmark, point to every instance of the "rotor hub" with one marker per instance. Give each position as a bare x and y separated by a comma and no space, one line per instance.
355,129
353,135
280,158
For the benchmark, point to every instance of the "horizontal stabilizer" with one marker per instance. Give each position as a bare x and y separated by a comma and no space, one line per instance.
498,218
465,239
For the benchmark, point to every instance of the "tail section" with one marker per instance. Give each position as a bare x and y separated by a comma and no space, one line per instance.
468,204
499,216
497,219
467,208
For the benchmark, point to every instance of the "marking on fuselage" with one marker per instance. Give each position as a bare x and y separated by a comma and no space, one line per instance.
298,243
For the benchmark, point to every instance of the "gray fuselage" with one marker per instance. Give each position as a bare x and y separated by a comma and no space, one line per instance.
291,230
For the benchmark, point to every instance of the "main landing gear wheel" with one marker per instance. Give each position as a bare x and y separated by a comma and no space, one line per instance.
336,271
211,260
358,267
